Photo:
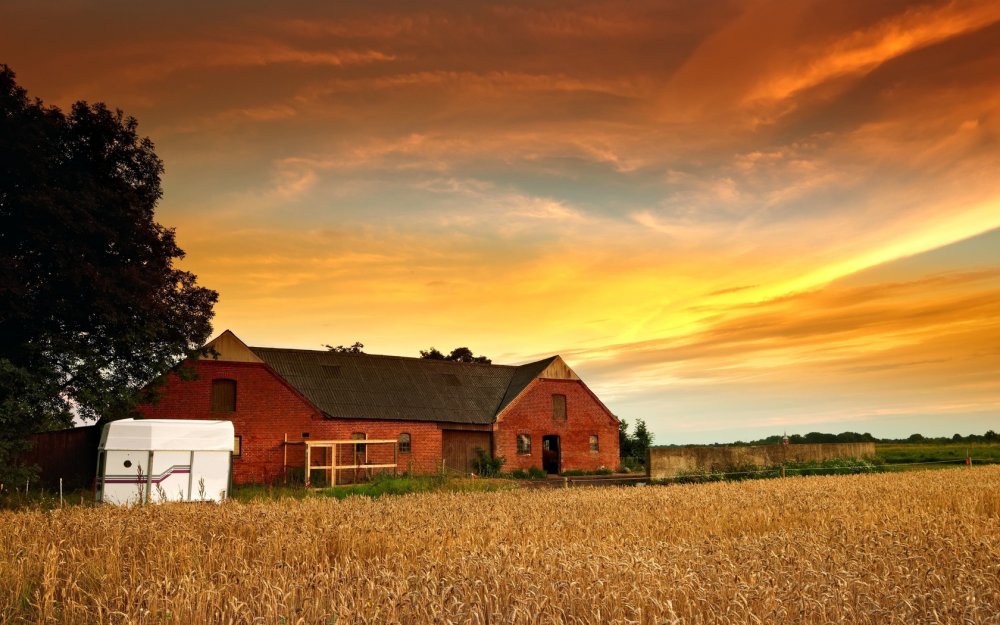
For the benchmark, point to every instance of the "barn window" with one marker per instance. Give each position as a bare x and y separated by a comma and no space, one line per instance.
524,444
559,407
237,446
404,443
594,443
223,395
359,450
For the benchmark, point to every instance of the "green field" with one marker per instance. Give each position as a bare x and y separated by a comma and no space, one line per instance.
904,453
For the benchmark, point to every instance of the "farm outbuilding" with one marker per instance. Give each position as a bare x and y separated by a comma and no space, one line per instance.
435,415
142,460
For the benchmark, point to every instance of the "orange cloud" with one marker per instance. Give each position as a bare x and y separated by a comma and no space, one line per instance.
865,49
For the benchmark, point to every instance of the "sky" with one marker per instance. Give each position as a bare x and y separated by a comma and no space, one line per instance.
732,219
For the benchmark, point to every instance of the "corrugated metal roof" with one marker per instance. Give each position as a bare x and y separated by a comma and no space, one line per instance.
366,386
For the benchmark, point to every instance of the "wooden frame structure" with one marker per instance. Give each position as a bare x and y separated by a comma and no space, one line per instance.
333,467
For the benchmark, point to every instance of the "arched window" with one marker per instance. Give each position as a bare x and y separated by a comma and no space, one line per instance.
594,444
223,395
404,443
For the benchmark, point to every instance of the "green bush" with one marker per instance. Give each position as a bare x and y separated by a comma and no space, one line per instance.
486,466
537,474
519,474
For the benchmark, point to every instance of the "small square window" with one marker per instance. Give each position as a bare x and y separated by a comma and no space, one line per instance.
523,444
594,444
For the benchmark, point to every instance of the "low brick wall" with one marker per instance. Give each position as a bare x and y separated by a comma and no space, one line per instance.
671,461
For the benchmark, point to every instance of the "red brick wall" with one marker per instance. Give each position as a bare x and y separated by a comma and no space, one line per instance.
267,409
532,414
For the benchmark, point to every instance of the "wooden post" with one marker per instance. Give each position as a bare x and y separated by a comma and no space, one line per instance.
330,451
284,460
395,459
60,493
308,457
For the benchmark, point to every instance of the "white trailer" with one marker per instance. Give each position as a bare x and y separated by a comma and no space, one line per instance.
143,460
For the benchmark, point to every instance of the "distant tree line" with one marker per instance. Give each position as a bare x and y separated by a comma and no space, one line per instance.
854,437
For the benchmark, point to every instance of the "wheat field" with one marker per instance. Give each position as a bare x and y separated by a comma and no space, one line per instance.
921,547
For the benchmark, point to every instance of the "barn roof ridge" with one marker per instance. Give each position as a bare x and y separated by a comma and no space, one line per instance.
395,356
386,387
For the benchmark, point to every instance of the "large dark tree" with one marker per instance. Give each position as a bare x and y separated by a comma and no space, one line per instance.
92,308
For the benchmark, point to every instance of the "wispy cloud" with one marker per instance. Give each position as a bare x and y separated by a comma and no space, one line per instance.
862,50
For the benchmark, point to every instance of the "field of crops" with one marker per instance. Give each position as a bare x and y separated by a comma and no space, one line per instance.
918,547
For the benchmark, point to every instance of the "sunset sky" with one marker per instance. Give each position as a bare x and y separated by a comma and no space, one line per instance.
733,219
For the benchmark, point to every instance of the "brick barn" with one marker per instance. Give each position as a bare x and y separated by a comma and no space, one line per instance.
435,412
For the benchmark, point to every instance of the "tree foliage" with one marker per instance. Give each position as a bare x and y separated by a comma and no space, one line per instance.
459,354
856,437
92,308
634,445
356,348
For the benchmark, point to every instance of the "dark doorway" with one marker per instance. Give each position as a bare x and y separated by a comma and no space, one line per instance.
550,453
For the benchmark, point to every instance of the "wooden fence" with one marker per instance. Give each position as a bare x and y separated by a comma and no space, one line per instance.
68,454
664,462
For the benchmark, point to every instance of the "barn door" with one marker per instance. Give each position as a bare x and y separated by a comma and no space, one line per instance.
459,449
